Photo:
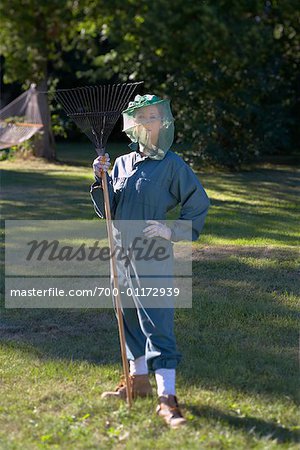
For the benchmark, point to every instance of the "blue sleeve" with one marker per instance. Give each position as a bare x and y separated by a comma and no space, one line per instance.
97,196
194,201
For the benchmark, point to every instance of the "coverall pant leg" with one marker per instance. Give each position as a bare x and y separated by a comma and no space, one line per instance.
150,332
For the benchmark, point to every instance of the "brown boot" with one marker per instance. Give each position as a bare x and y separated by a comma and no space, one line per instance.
139,384
169,410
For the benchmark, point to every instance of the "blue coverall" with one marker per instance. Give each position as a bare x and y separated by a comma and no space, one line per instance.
143,189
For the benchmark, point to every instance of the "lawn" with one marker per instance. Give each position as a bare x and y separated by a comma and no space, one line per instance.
238,382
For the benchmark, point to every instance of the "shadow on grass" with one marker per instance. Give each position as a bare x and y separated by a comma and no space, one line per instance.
259,180
44,196
242,332
257,427
243,329
262,201
67,334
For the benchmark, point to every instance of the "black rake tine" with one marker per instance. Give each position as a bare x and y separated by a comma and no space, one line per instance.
113,97
131,89
120,96
96,109
108,93
71,102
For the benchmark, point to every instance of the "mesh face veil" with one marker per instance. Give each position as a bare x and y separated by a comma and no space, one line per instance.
148,121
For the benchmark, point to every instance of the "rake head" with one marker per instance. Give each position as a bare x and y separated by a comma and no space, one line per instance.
96,109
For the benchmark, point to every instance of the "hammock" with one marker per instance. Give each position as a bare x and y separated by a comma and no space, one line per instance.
20,119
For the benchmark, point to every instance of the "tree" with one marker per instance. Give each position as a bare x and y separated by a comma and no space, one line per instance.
229,66
33,36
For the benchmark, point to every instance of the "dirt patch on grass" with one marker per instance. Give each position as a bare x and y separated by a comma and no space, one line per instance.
34,325
69,323
226,251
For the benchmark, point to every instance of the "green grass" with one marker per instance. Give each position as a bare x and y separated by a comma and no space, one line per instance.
238,380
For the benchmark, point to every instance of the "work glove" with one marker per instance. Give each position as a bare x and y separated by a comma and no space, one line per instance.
100,164
157,229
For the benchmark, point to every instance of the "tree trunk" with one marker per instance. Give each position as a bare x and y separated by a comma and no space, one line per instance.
44,143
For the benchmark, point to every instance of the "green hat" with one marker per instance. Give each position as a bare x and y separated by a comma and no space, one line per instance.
138,132
140,101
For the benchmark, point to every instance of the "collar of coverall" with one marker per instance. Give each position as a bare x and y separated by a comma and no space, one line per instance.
134,146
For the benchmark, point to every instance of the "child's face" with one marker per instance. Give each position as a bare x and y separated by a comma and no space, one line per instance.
149,117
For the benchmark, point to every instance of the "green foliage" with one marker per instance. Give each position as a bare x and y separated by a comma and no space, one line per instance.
14,119
23,150
58,127
29,37
230,67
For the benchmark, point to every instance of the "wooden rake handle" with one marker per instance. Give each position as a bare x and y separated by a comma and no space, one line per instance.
116,288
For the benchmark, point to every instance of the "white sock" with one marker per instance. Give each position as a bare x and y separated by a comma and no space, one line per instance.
165,380
138,366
